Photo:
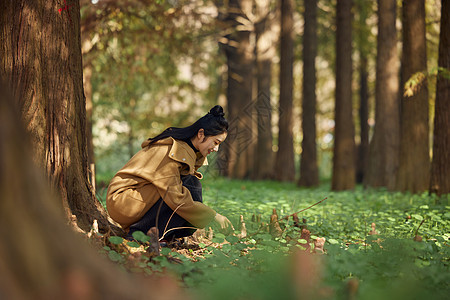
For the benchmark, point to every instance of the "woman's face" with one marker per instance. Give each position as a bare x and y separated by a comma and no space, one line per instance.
209,144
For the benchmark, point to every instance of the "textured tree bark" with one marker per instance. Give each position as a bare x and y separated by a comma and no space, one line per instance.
344,140
384,146
414,160
284,166
239,53
265,51
41,64
87,84
440,167
41,257
309,171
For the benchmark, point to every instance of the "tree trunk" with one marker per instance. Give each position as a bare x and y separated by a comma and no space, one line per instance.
384,146
344,142
363,147
239,93
414,161
363,44
265,51
440,167
284,166
309,171
41,258
41,64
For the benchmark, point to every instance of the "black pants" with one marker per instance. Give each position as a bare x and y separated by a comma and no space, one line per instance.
148,221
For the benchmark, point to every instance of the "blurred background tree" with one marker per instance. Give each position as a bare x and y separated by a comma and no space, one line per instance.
309,169
344,139
384,146
414,159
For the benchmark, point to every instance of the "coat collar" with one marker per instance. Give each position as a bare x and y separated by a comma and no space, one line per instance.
183,153
180,151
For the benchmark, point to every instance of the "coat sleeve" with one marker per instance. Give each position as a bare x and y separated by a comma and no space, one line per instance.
179,198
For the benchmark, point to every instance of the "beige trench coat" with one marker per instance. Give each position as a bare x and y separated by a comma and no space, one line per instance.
152,173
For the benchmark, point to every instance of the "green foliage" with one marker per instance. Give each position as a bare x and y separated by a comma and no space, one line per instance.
141,237
116,240
113,255
388,264
414,83
153,66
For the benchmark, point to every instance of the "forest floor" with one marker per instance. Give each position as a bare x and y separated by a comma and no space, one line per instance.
368,244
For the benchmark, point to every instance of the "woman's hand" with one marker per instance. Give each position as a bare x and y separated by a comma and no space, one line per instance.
224,223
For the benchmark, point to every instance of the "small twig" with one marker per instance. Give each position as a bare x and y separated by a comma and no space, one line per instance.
167,224
298,211
417,230
186,227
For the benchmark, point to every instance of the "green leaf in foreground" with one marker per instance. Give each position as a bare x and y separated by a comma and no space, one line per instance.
218,238
141,237
333,241
116,240
232,239
114,256
165,251
133,244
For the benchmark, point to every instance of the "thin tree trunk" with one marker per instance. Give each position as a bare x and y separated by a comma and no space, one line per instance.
414,162
384,146
344,142
364,50
284,166
363,148
309,171
41,64
229,148
265,51
247,141
440,167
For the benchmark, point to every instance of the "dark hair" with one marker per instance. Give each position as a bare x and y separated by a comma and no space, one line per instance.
213,123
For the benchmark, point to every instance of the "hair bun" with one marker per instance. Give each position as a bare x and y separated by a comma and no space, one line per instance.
217,111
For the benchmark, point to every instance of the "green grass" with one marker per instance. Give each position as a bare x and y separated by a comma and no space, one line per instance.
388,265
394,268
343,215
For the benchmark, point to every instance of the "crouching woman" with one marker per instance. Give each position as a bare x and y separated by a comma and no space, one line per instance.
160,186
